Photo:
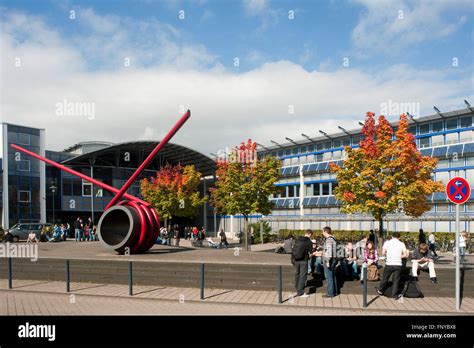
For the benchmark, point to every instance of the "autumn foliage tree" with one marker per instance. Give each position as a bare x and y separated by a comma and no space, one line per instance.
384,175
244,183
174,192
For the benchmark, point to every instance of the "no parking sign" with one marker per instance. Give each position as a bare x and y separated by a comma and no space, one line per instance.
458,190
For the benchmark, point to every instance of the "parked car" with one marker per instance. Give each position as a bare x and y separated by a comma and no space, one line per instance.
21,230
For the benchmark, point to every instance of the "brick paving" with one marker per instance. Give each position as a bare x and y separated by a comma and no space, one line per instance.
34,297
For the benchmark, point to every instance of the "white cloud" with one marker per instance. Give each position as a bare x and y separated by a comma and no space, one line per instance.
143,101
391,26
254,7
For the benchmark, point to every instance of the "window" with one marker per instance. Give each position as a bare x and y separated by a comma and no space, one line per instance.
316,189
466,122
282,192
443,164
327,156
333,187
466,136
24,196
76,187
291,191
325,189
470,175
319,157
311,148
424,128
86,189
437,140
424,142
356,139
443,177
437,126
452,138
327,144
280,153
67,187
452,124
412,129
337,143
470,161
346,141
23,139
288,152
319,146
24,165
274,154
303,149
337,155
309,190
442,207
295,151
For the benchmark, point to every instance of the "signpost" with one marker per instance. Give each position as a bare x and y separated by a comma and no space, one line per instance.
458,192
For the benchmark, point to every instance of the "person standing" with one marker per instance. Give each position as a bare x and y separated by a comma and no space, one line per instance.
421,237
330,262
77,229
394,251
91,226
299,258
223,239
176,235
432,243
462,245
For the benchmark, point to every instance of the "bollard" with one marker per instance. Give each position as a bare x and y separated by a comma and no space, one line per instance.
68,277
364,285
280,285
201,281
130,279
10,273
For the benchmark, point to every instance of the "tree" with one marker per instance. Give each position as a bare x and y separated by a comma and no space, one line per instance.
244,184
384,175
174,192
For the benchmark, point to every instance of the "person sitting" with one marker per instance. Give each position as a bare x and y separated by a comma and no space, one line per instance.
32,238
371,256
211,243
349,262
7,237
421,259
56,234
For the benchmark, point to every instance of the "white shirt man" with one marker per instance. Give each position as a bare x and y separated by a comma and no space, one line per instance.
394,251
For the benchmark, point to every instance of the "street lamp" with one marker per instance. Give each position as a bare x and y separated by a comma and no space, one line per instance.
344,130
53,190
325,134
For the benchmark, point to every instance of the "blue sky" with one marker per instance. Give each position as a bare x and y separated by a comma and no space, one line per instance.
404,51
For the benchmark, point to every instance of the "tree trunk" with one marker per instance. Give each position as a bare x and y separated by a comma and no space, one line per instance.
381,231
246,232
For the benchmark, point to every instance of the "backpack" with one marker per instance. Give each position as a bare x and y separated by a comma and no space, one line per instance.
412,290
298,252
340,251
373,273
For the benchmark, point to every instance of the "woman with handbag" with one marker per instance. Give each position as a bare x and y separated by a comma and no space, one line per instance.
371,259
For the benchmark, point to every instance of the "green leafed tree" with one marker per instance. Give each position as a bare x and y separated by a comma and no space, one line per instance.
244,184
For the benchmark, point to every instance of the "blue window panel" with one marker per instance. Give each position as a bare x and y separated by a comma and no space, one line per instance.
331,200
323,201
439,196
468,149
313,201
455,148
295,170
426,152
306,201
322,166
306,168
313,167
440,151
286,171
339,163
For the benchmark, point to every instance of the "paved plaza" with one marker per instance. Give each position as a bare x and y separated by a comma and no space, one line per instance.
50,298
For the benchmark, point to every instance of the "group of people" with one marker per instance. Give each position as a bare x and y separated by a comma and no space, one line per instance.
308,257
84,231
167,235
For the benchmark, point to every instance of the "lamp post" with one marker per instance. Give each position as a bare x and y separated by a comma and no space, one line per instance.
53,190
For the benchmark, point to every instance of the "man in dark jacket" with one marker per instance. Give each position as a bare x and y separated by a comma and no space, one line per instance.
299,258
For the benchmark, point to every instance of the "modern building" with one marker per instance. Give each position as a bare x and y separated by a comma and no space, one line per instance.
306,185
34,192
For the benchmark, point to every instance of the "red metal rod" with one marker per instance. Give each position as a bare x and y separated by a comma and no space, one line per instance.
73,172
150,157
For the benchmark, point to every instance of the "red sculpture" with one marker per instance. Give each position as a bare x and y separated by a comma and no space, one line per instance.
128,223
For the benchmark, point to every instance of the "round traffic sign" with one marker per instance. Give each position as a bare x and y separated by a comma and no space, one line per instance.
458,190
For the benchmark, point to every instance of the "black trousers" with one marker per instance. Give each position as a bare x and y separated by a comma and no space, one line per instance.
387,272
433,249
301,268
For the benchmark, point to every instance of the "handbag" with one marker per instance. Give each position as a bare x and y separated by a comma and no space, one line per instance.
373,273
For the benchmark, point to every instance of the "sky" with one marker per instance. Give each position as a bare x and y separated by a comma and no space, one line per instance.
118,71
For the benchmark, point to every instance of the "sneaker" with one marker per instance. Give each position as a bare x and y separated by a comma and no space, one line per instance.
304,296
434,280
327,296
399,296
378,291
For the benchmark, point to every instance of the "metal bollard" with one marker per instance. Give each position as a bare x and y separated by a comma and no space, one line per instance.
10,273
201,281
280,285
130,279
364,285
68,277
